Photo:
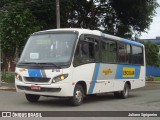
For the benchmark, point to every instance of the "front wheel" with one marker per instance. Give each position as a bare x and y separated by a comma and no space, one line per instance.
32,98
78,96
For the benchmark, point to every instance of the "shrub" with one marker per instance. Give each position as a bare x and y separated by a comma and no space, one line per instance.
8,77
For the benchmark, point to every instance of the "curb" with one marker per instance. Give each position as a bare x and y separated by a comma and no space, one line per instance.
7,89
155,82
4,86
152,83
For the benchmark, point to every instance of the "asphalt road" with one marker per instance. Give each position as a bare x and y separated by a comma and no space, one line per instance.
144,99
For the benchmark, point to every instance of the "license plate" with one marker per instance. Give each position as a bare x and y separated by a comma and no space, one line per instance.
35,87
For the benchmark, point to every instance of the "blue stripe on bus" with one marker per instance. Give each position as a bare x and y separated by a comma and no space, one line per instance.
94,78
132,42
120,71
34,73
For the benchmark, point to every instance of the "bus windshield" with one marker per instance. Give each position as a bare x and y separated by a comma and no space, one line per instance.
46,48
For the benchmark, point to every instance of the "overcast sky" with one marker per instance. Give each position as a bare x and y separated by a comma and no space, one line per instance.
154,27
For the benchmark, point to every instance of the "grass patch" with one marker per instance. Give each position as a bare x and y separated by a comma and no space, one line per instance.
8,77
156,78
152,78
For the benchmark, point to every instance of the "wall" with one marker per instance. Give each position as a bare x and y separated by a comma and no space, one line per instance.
152,71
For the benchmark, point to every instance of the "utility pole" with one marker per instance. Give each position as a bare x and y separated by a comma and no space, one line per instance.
58,13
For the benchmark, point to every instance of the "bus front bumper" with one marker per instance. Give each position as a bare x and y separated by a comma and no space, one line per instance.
59,90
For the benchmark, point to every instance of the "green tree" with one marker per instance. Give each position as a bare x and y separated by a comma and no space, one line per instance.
84,14
123,18
20,18
133,16
152,54
45,12
16,24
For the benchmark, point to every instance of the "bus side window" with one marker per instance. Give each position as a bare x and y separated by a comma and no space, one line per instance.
122,53
87,51
137,55
128,53
109,51
113,52
105,51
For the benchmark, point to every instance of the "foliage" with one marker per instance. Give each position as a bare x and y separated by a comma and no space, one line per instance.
152,78
16,24
45,12
20,18
149,78
83,14
152,54
8,77
123,18
156,78
133,16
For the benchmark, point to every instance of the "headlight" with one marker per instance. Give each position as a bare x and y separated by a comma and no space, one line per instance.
17,76
59,78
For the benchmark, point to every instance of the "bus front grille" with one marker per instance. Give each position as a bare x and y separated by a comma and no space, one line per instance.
33,79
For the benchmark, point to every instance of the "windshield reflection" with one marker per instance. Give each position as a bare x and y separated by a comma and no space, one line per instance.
49,48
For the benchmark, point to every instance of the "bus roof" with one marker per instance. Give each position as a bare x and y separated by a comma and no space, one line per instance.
93,32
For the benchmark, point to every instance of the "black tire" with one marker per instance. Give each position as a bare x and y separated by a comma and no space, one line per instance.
78,96
124,93
32,98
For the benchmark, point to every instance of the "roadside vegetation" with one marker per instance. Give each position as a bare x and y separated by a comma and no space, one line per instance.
8,77
152,78
156,78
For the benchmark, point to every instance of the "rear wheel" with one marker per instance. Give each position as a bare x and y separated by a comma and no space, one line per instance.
32,98
124,93
78,96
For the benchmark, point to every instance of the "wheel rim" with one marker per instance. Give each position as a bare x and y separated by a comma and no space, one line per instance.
79,96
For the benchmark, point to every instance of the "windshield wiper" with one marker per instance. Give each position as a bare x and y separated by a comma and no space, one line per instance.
50,63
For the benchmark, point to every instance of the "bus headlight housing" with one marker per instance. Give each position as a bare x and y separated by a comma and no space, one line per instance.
17,76
59,78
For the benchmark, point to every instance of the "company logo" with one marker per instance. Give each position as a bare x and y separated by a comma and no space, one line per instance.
6,114
21,114
128,72
107,72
